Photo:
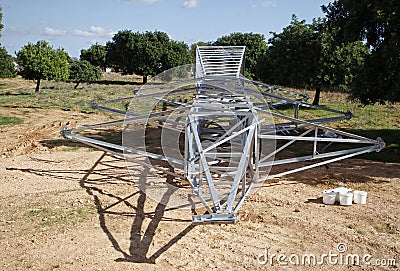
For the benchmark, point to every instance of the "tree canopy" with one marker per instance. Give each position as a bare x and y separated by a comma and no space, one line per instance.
84,71
294,55
145,54
40,61
306,56
377,24
96,55
7,67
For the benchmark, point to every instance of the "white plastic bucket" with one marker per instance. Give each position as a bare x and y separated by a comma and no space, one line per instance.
341,190
329,197
346,199
360,197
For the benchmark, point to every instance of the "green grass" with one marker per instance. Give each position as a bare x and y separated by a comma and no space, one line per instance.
60,95
6,120
388,229
370,121
356,230
59,217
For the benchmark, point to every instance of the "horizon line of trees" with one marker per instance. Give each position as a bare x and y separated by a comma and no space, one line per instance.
355,47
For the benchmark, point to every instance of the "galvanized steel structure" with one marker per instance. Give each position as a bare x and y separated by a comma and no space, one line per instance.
234,131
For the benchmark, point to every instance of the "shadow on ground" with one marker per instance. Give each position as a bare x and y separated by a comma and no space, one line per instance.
108,170
139,243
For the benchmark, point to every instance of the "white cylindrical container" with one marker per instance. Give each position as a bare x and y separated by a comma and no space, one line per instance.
328,197
346,199
360,197
341,190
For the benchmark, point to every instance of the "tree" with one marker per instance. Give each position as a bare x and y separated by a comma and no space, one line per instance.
149,51
120,51
377,24
40,61
96,55
293,57
256,47
306,56
7,67
340,63
145,54
84,71
174,54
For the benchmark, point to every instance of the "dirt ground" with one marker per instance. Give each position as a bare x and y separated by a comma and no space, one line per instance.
64,207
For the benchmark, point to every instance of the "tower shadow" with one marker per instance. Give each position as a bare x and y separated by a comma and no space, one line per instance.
140,243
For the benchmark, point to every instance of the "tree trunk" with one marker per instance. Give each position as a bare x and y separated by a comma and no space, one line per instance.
144,79
317,95
37,85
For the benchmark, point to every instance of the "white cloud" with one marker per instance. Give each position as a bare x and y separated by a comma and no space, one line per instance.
48,31
190,4
94,31
268,4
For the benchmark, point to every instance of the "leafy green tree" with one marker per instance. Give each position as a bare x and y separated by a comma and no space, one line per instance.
145,54
306,56
293,58
149,51
340,63
7,67
84,71
256,47
96,55
120,51
40,61
377,24
174,54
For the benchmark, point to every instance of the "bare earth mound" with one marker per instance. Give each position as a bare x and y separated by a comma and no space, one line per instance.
69,208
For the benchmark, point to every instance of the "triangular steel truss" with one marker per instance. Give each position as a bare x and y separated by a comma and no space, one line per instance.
234,131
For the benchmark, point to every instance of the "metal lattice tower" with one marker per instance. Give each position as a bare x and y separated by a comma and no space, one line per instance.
234,131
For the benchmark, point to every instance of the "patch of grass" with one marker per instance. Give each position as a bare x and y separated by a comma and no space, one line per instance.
351,226
6,120
370,121
355,229
387,228
59,95
360,232
60,216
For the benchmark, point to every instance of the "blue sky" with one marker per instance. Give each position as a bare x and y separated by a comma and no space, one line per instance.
75,25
